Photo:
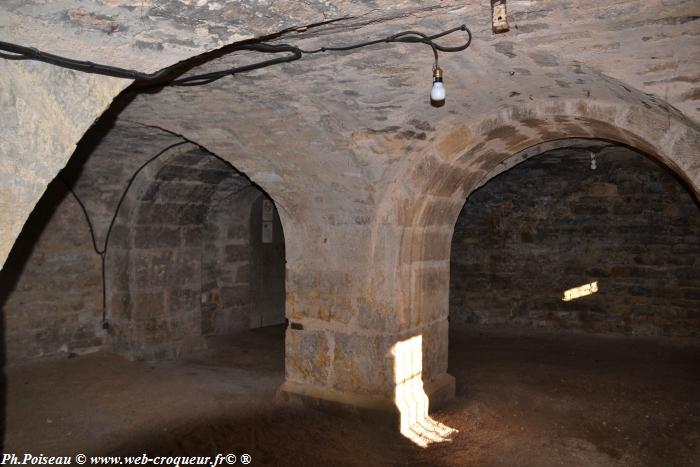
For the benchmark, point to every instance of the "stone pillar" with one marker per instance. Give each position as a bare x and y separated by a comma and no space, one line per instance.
361,323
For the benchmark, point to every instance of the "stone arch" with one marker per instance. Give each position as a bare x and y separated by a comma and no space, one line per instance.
110,154
163,296
575,218
465,156
180,254
431,186
49,293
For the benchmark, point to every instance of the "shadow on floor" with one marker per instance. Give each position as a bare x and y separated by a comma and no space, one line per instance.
287,436
12,270
525,400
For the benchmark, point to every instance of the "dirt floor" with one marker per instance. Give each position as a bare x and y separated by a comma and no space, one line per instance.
523,400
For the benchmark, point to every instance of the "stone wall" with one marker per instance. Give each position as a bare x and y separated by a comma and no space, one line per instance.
551,224
167,284
178,258
368,176
50,296
226,262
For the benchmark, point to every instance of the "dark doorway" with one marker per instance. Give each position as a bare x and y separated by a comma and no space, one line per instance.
267,282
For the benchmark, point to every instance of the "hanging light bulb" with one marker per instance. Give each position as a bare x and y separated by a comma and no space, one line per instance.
437,93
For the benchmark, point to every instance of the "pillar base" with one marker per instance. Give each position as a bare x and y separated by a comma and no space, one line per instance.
439,392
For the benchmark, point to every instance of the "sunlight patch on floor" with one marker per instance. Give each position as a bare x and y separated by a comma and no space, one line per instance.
410,398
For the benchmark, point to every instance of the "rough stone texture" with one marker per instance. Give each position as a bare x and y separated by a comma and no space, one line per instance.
178,259
172,266
148,35
50,294
226,261
369,179
45,110
387,192
41,125
551,224
648,45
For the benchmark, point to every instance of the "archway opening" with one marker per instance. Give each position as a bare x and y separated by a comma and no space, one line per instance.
191,262
175,303
588,219
573,305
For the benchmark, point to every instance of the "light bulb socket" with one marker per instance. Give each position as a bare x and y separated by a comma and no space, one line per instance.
437,93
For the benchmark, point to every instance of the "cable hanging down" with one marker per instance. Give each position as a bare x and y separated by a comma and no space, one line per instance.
291,53
102,252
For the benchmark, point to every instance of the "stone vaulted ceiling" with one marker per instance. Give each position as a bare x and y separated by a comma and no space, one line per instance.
345,138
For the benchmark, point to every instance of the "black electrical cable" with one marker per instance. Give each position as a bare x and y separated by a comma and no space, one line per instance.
407,37
292,53
19,52
103,252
